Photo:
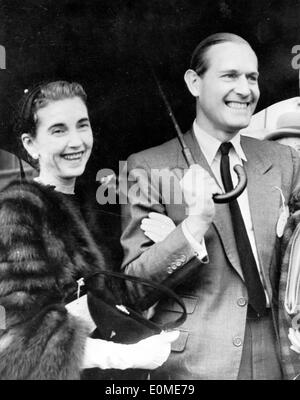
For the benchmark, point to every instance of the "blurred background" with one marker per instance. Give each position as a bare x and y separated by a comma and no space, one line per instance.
106,45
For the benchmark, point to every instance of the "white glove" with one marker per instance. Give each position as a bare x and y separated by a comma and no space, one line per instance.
152,352
157,226
148,353
294,336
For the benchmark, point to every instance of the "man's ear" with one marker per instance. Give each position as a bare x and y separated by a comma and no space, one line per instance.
29,146
193,82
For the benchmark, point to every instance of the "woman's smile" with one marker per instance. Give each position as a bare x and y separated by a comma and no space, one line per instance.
75,156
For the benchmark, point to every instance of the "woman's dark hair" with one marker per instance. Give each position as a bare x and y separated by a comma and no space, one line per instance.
199,61
37,97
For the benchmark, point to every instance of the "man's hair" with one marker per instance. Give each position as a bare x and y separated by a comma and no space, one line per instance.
199,61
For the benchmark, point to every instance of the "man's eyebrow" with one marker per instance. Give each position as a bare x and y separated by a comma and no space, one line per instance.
235,71
229,71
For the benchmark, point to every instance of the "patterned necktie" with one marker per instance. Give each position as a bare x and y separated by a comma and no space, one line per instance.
256,295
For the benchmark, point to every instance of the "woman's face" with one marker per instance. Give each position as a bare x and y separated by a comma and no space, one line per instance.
64,138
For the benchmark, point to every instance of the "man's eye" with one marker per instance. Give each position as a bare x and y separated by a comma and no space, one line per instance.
230,76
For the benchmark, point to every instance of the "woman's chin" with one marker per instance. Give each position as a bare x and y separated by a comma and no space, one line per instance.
73,172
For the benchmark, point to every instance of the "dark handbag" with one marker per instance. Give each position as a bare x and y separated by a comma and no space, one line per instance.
119,318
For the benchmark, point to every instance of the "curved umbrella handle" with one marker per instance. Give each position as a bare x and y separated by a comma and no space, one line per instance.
240,187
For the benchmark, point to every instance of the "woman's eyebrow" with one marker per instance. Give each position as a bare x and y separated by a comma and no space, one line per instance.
83,120
58,125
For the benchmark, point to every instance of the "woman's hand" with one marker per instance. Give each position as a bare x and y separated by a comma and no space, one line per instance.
294,336
157,226
148,353
152,352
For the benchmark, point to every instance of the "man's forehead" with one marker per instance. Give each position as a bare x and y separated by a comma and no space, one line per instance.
231,56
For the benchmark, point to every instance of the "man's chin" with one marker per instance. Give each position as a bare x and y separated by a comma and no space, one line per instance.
237,126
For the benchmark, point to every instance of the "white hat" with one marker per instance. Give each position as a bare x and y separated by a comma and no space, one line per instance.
288,125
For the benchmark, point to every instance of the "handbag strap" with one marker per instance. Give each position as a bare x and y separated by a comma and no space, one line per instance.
142,304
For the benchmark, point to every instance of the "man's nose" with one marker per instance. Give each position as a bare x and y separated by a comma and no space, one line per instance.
242,86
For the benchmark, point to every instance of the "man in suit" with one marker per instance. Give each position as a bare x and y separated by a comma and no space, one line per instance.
230,332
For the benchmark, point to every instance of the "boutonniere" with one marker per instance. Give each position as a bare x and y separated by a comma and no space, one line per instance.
283,215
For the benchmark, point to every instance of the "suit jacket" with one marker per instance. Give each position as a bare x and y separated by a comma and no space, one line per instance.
210,344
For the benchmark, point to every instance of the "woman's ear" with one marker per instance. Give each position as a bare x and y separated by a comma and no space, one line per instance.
193,82
29,146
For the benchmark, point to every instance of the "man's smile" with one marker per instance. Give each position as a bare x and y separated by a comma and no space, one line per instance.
238,105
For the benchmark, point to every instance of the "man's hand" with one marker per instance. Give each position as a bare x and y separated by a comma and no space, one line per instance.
198,188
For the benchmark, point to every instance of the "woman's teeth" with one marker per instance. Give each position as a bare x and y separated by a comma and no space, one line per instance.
73,156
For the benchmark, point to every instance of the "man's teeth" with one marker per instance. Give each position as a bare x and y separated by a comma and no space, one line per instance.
73,156
240,106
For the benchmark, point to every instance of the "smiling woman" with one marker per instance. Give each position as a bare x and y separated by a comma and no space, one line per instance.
46,247
63,138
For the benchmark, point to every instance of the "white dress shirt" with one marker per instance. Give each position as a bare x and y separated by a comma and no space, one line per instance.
210,149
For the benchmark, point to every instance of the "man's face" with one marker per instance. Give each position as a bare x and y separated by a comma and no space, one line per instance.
228,90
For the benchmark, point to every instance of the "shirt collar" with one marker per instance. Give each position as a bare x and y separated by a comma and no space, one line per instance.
210,145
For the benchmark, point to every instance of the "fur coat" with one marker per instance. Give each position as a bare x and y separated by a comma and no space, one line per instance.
45,247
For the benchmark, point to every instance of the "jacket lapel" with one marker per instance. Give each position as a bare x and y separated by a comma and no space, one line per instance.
222,219
264,200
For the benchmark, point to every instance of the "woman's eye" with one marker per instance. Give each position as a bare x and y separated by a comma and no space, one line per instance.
85,125
58,131
253,78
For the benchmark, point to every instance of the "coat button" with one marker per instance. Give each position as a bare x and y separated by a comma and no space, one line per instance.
169,270
178,263
237,341
182,258
241,301
174,266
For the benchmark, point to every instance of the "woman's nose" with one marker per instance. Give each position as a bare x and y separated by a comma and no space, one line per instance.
75,139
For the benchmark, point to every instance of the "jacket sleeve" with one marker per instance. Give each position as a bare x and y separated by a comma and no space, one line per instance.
38,339
142,257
